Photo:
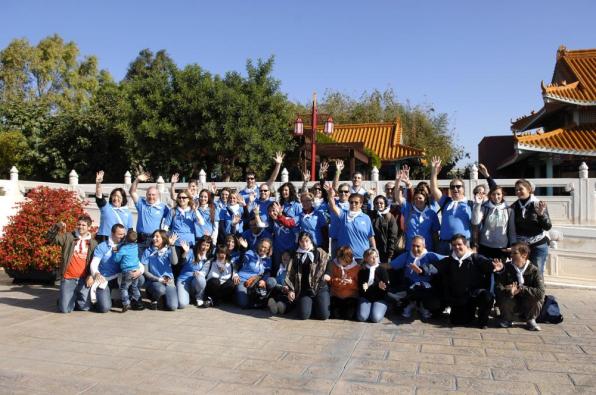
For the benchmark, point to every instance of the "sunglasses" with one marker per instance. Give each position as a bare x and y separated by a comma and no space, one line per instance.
456,186
183,197
344,191
264,190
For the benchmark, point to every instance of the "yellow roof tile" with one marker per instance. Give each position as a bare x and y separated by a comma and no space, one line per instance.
577,140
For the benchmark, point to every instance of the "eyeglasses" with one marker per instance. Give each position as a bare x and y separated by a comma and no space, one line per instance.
264,190
183,197
344,191
459,186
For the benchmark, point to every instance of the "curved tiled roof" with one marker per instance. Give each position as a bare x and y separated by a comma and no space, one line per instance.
582,66
384,139
577,140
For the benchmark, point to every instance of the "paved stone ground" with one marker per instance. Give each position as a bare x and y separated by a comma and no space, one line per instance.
224,351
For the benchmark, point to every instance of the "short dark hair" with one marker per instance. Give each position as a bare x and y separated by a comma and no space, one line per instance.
522,247
85,218
459,236
131,236
115,227
122,192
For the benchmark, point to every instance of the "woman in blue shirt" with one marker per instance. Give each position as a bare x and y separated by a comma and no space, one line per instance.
158,261
190,281
311,220
254,263
113,211
210,213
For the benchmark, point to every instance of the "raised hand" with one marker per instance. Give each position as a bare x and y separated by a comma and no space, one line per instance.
172,238
242,241
306,175
339,164
483,170
185,246
99,177
279,157
251,198
478,199
175,178
497,265
435,164
541,208
324,168
213,188
330,190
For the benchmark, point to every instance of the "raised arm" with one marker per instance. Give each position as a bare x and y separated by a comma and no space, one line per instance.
331,200
402,176
305,180
435,168
484,171
98,181
279,158
173,180
339,165
142,176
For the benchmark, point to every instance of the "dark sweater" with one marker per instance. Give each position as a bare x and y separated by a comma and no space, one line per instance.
531,224
461,282
533,284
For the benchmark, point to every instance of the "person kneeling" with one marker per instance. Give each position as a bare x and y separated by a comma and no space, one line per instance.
344,284
373,280
520,289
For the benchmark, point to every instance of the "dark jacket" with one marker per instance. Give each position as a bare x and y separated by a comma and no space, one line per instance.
373,293
533,282
321,266
386,232
461,282
68,241
530,224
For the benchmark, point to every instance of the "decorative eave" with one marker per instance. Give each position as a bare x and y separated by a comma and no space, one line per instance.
525,122
571,141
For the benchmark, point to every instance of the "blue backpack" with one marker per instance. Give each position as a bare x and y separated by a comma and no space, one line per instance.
550,312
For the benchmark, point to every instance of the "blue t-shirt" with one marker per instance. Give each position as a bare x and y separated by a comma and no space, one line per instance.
150,217
253,239
404,260
334,221
209,226
184,224
110,215
127,257
107,266
284,238
190,267
456,219
158,265
355,233
313,223
227,216
253,266
292,209
423,224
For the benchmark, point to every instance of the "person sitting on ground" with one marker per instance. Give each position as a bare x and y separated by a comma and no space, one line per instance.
219,273
344,284
77,250
418,266
255,270
373,282
158,261
278,301
257,230
127,256
520,289
307,279
191,280
465,283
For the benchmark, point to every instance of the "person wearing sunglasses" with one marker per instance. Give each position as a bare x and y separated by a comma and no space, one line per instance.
456,209
354,226
251,181
341,201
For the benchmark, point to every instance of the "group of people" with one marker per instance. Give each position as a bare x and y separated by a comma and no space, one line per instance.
330,250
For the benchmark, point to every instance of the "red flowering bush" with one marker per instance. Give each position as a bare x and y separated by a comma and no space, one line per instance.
23,245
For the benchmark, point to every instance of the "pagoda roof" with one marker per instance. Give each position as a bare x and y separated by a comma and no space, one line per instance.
579,140
574,77
384,139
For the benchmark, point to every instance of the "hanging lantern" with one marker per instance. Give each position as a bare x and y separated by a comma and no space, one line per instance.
298,127
328,126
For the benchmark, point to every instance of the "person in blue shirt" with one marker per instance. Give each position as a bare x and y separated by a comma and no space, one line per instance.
251,183
105,270
284,231
113,211
234,253
288,200
232,215
342,201
354,228
210,213
257,231
158,261
456,210
190,281
151,212
310,220
418,265
260,204
127,256
419,218
256,266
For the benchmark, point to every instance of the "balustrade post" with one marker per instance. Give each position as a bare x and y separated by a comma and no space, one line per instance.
127,178
285,175
203,178
161,184
14,174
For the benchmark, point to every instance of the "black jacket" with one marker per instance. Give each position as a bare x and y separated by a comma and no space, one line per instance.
533,282
373,293
461,282
386,231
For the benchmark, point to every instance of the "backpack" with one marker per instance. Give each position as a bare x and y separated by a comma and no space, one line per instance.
550,312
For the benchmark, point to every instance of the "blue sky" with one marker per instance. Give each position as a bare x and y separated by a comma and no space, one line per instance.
480,62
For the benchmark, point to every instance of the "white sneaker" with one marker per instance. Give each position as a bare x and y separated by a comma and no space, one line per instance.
281,308
407,313
424,313
200,303
532,326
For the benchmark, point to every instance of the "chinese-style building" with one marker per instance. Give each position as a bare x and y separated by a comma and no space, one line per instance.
553,141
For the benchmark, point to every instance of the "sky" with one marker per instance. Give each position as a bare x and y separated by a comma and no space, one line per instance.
480,62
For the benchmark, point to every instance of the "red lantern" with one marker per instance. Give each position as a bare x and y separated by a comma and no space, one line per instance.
298,127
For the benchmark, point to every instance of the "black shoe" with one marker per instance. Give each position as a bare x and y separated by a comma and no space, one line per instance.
138,306
125,308
208,303
153,305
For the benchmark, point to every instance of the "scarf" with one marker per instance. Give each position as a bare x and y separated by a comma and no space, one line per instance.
261,264
496,213
221,266
352,215
120,210
417,259
454,203
82,245
235,208
345,268
183,211
306,254
419,212
462,259
318,202
381,213
371,273
531,199
160,252
520,272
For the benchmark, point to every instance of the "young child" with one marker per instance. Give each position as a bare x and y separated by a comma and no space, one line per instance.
127,255
278,302
344,284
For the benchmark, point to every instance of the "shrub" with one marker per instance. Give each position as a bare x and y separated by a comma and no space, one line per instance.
23,246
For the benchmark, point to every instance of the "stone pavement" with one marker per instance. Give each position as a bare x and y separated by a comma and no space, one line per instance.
224,351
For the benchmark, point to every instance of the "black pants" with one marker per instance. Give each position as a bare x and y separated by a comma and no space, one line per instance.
343,308
490,252
219,291
463,312
427,296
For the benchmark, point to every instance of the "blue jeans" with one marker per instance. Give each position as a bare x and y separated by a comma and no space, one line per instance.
104,297
241,295
73,293
538,255
371,311
192,285
157,290
126,283
317,306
